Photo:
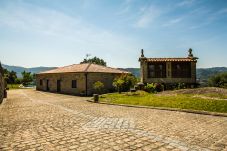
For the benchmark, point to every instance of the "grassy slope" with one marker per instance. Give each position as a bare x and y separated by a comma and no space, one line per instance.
182,101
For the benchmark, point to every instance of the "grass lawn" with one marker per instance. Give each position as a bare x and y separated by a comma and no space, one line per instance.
181,101
13,86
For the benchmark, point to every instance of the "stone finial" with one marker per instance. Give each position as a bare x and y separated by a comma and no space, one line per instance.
190,53
142,55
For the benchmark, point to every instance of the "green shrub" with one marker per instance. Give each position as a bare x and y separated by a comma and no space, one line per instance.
151,88
181,86
154,87
118,84
124,82
99,87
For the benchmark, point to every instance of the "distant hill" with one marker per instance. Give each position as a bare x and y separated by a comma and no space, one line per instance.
19,69
202,73
205,73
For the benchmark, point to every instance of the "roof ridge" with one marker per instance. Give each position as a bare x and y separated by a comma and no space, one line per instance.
89,64
86,68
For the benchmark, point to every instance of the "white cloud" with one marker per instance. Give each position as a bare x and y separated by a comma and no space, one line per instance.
147,16
53,23
72,30
173,22
185,3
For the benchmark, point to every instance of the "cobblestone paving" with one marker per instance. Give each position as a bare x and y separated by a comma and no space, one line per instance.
33,120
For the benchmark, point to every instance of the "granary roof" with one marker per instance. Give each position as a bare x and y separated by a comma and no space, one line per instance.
84,68
171,59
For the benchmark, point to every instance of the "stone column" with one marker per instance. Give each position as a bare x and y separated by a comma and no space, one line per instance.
168,70
193,72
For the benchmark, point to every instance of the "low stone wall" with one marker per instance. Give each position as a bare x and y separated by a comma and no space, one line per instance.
2,87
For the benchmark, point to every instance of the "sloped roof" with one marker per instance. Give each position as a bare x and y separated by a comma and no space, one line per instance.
171,59
86,67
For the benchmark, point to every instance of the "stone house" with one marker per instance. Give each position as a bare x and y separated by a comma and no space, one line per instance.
77,79
169,71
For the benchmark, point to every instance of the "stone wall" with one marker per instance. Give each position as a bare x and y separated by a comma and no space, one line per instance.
2,87
66,82
105,78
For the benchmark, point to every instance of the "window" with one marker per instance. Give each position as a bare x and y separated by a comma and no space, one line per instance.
181,69
151,73
157,70
41,82
74,84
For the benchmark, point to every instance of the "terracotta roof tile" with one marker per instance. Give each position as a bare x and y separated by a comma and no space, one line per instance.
170,59
86,67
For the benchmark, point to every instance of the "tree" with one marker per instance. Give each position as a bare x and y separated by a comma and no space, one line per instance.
98,86
124,82
12,76
34,78
118,84
94,60
218,80
27,77
6,75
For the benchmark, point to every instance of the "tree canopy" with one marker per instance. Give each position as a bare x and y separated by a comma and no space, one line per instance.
218,80
27,77
94,60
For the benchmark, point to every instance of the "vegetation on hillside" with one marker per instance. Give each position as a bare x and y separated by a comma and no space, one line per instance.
218,80
19,69
13,81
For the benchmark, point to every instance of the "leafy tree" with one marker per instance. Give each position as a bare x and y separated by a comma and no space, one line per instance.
124,82
99,87
27,77
18,81
12,76
119,84
6,75
34,78
218,80
94,60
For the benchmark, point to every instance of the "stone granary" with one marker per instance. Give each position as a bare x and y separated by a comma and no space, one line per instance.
77,79
169,71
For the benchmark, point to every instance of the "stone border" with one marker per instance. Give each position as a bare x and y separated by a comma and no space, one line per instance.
167,109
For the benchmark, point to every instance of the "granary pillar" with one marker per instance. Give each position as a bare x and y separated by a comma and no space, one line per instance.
193,65
193,71
143,67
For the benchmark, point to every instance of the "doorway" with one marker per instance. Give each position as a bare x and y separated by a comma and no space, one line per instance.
58,85
47,86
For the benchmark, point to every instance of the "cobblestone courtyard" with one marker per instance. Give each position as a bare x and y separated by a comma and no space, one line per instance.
33,120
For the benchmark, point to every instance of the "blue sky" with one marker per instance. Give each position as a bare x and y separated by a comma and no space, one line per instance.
61,32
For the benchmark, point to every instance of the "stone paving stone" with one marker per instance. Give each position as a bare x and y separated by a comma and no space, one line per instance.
34,120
